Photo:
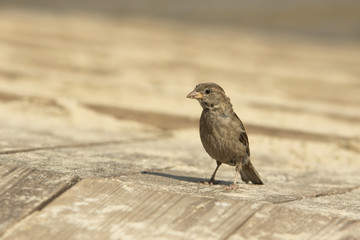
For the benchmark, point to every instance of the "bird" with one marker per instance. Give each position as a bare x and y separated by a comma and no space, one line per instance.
223,134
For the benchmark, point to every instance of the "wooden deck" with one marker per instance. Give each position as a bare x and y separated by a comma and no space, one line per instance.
99,142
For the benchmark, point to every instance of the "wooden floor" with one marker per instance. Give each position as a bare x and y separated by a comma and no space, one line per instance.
99,142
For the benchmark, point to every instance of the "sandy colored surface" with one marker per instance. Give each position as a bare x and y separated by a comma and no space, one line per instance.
99,141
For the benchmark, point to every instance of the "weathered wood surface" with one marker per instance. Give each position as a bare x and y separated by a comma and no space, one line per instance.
98,98
121,211
111,209
23,191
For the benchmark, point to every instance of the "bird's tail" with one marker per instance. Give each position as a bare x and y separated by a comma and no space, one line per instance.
249,173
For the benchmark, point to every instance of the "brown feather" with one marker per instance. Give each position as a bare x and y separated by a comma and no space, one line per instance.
222,133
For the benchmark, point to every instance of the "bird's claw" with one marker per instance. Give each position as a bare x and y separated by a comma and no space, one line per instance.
232,187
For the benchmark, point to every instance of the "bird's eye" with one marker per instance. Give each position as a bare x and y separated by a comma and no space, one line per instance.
207,91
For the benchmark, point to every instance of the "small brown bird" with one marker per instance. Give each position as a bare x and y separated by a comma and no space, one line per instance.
222,133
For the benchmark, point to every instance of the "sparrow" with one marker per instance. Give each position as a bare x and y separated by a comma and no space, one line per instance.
223,134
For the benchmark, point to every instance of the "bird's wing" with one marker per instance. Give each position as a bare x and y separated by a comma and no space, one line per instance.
243,138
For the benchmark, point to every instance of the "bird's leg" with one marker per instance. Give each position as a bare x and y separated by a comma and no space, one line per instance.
212,179
234,185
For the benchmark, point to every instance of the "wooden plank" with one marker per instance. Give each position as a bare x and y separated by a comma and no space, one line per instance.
24,190
97,160
342,204
18,136
311,190
279,222
110,209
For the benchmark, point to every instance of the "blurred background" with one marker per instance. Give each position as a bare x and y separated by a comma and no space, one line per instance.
330,20
284,64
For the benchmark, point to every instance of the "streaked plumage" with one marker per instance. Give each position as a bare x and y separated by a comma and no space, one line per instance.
222,133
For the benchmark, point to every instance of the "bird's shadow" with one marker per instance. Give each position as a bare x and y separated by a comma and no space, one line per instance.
185,178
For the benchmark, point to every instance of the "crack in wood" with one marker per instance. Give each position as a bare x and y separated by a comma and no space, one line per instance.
73,181
28,173
78,145
337,192
324,194
243,223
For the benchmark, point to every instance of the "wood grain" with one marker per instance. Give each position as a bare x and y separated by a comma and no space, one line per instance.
111,209
86,91
23,191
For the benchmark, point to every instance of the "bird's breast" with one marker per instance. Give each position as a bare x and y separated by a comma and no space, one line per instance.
216,137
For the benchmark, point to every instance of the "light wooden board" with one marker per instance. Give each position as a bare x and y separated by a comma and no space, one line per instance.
19,136
23,191
321,193
111,209
278,222
99,160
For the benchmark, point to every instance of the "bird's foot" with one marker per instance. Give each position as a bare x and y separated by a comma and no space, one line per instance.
232,187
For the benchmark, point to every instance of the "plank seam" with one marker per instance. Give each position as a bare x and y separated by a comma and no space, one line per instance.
324,194
77,145
243,223
57,194
74,180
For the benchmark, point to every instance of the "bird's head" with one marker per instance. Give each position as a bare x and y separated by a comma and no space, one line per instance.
209,95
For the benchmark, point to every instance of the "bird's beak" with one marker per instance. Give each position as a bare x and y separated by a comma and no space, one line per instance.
195,95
